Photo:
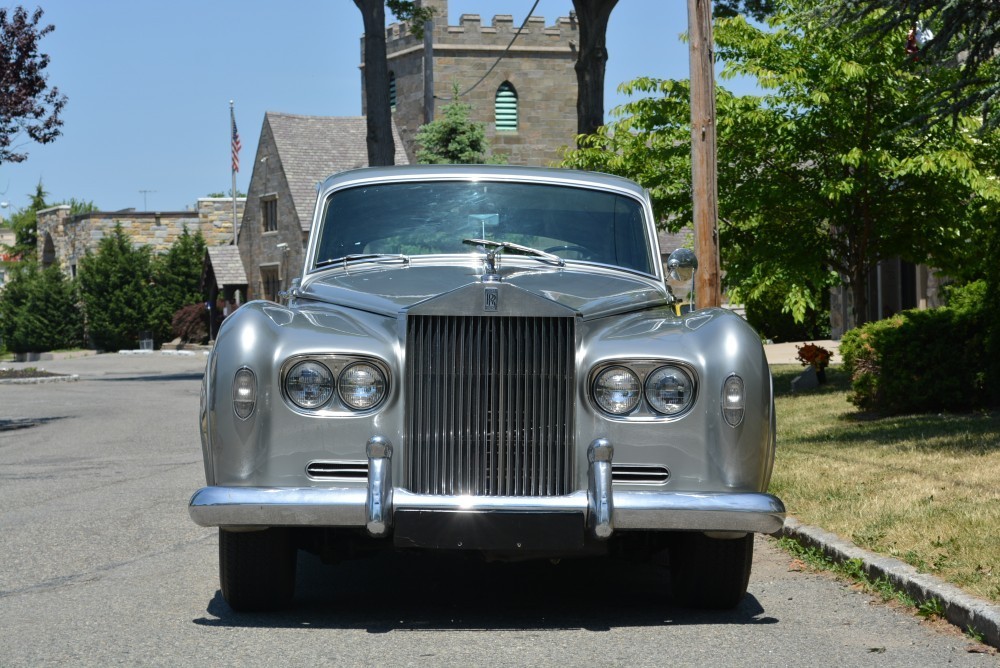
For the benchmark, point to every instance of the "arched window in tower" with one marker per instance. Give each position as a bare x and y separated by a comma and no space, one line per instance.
392,91
506,108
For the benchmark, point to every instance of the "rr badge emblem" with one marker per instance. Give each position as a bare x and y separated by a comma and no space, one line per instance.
491,299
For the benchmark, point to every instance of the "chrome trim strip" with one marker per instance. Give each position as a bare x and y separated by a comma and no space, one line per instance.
342,507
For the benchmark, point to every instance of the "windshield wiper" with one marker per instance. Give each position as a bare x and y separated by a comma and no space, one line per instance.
405,259
507,245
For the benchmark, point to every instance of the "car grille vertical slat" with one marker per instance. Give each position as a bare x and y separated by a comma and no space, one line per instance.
490,401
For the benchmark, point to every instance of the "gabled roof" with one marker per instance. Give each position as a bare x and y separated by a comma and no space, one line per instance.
311,148
227,265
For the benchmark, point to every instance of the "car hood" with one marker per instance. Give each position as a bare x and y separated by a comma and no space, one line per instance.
589,292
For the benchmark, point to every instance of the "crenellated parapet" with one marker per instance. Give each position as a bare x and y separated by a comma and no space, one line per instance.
535,71
471,31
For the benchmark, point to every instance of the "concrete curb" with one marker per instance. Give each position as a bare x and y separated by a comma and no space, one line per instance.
42,379
961,609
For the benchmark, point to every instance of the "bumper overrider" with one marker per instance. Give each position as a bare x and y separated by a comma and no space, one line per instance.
424,520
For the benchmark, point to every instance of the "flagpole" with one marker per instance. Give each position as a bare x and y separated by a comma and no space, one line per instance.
232,120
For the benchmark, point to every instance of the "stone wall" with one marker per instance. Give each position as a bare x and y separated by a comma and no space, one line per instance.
65,239
540,66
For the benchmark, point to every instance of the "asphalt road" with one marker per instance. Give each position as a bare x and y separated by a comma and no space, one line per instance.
100,565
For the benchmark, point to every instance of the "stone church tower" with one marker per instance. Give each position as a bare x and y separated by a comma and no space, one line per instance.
527,101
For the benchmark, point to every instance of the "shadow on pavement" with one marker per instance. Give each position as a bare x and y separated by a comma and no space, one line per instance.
416,592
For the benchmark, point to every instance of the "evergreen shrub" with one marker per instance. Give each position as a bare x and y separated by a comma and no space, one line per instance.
920,361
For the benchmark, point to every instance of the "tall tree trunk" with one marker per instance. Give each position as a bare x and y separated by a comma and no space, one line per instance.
859,295
381,148
592,57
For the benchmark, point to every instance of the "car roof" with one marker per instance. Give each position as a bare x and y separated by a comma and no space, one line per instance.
488,172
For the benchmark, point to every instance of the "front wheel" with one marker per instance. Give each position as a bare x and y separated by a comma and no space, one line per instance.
257,569
708,572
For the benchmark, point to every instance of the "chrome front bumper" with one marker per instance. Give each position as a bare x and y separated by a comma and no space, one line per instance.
373,507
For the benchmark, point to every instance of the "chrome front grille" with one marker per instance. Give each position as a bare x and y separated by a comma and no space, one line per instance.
489,405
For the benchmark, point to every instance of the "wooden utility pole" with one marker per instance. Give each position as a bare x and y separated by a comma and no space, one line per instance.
704,188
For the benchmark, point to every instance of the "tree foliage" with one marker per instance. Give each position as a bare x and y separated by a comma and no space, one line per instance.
966,38
117,287
27,105
759,10
454,138
39,309
177,278
821,176
24,223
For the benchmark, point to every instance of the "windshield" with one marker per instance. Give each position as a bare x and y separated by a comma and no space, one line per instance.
430,218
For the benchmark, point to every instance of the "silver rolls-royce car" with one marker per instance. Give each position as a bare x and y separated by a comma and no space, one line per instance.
486,359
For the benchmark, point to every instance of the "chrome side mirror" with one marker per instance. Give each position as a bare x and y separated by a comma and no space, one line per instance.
681,264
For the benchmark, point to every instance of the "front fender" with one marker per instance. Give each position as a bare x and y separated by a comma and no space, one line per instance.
701,450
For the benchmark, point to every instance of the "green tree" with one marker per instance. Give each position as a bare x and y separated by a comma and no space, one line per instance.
454,138
39,310
759,10
178,280
117,287
965,32
27,105
24,223
821,176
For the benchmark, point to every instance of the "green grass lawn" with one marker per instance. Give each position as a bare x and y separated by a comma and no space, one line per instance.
922,488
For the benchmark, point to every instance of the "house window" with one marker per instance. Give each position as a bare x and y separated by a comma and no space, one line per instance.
269,213
270,282
392,91
506,108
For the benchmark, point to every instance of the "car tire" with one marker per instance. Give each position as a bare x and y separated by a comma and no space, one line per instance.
710,573
257,569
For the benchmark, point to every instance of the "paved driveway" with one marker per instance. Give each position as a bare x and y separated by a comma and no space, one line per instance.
100,565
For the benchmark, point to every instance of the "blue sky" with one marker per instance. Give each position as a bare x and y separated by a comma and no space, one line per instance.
149,85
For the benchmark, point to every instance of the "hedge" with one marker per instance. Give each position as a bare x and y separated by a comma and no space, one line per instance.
922,361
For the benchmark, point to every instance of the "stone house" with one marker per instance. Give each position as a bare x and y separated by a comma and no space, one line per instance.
295,154
526,99
64,239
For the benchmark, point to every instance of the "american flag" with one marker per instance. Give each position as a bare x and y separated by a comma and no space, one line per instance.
236,141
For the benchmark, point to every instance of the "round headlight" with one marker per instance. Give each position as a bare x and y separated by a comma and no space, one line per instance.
669,390
309,385
361,386
733,400
617,390
244,393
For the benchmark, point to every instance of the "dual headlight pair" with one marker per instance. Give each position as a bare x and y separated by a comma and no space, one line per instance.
360,385
658,389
